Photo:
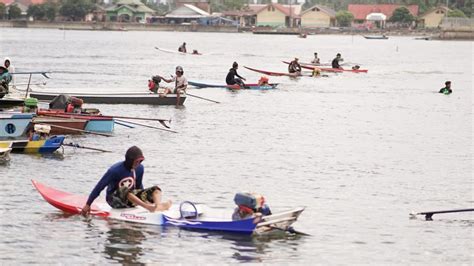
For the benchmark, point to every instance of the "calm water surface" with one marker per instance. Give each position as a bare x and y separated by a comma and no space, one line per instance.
360,151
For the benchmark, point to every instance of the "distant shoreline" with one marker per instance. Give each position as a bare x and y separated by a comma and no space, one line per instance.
429,34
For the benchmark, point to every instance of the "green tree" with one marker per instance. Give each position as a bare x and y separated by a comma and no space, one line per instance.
36,11
51,9
456,13
402,15
3,10
344,18
14,12
76,10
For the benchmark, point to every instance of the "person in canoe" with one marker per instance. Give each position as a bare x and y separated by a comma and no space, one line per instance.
335,61
316,72
125,188
263,81
233,77
294,66
195,51
182,48
180,81
5,79
447,88
315,60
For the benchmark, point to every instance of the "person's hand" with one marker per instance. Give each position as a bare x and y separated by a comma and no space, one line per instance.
86,210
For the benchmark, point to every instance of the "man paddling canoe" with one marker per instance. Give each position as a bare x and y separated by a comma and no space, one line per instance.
335,61
124,186
231,76
294,67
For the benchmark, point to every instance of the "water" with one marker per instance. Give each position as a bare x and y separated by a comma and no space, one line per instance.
360,151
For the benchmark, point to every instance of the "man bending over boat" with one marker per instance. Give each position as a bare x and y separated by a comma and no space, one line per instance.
294,66
124,186
231,76
335,61
181,83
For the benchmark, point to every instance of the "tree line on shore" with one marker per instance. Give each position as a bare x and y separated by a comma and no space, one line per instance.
76,10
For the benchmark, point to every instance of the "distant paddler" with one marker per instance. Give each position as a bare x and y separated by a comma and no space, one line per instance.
125,188
233,77
335,61
315,60
181,83
294,66
182,48
447,88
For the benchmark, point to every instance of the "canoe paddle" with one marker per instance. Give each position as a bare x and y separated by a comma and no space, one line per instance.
83,147
429,215
202,98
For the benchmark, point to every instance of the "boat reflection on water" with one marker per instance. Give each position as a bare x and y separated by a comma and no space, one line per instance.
125,241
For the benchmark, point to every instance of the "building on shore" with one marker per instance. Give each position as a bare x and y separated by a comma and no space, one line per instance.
318,16
201,4
129,11
278,15
376,15
433,17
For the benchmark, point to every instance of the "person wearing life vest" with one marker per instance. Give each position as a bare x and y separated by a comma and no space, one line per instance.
263,81
447,89
180,81
294,66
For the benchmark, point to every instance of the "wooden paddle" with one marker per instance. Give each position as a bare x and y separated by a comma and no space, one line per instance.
429,215
145,125
202,98
83,147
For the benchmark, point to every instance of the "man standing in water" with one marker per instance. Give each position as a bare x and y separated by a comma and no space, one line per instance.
447,89
124,186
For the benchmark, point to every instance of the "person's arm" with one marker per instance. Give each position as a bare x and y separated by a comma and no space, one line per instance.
239,75
139,177
166,80
103,182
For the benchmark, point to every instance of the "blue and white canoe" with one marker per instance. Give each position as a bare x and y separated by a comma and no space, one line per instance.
14,125
201,85
205,218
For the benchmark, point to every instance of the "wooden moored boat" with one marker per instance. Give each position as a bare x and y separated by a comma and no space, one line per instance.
233,87
95,123
62,125
117,98
49,145
381,37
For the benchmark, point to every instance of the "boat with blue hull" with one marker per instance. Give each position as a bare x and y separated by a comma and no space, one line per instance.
14,125
44,146
95,123
200,85
187,215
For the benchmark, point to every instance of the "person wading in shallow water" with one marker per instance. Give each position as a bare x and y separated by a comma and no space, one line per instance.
124,186
447,89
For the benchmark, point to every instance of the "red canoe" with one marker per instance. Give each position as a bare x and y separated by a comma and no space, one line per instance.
270,73
311,67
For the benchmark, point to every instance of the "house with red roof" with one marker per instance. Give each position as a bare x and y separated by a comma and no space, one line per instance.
364,13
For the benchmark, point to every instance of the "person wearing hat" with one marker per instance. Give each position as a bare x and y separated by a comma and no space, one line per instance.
182,48
447,89
315,60
181,83
294,66
335,61
233,77
125,188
